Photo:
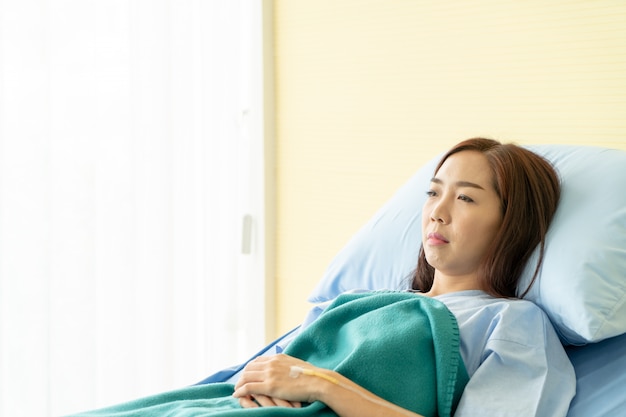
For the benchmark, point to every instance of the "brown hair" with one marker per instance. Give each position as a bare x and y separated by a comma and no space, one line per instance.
529,190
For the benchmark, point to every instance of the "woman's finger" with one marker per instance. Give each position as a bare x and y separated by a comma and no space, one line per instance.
249,376
248,402
255,401
246,390
283,403
264,401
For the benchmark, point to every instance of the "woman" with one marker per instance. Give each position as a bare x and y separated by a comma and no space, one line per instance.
488,208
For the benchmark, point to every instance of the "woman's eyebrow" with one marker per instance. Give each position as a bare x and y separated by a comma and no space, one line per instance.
459,183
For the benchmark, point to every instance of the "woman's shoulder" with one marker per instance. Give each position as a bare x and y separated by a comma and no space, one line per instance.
505,318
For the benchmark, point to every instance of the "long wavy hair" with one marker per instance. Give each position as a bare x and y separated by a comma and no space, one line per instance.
529,191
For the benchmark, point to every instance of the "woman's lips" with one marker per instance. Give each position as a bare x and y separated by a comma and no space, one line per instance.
436,239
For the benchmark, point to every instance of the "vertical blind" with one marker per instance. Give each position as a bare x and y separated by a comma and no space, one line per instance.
129,152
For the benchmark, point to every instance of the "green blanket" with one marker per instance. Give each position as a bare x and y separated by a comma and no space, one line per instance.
400,346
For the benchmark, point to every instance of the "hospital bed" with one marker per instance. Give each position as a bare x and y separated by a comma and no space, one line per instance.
581,286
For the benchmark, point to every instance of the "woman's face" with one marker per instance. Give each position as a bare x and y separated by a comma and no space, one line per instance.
461,216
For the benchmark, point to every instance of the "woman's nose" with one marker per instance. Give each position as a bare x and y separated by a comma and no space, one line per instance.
439,214
438,219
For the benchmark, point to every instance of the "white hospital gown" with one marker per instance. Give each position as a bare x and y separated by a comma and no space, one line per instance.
515,360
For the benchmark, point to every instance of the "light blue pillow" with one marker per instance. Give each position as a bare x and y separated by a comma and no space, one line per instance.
582,283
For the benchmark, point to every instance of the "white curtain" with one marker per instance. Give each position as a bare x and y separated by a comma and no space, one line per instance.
129,153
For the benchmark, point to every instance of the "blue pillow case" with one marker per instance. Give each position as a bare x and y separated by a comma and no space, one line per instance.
582,283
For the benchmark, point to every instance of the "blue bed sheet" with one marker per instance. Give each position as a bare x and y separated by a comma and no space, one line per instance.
601,378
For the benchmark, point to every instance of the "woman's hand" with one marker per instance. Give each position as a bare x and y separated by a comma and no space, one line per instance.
266,382
253,401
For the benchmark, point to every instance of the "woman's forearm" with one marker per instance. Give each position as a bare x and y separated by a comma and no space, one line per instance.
348,399
290,379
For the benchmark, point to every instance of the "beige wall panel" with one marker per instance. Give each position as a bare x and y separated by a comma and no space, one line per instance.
367,91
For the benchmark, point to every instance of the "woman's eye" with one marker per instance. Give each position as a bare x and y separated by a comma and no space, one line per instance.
465,198
431,193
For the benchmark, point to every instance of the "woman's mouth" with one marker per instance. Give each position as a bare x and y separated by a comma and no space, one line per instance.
436,239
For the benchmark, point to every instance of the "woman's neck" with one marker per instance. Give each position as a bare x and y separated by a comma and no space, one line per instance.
444,284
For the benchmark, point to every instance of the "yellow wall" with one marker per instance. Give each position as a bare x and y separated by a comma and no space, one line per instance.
366,91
